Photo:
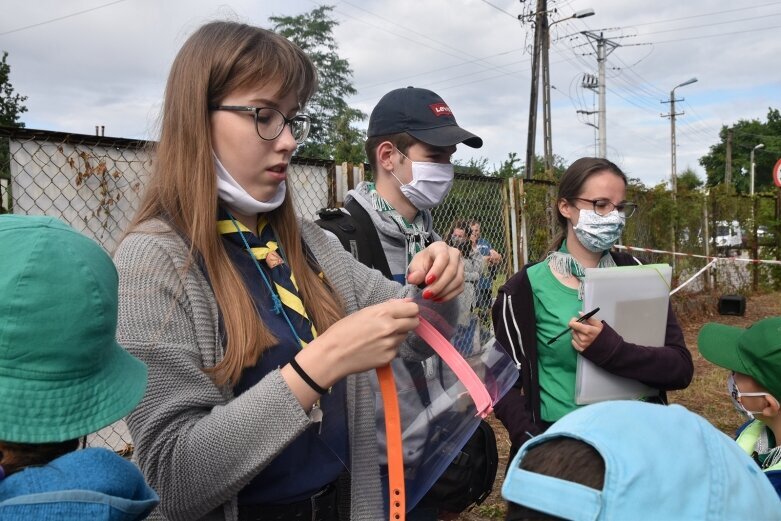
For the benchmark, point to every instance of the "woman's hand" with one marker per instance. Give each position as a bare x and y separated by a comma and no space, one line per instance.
368,338
584,333
441,269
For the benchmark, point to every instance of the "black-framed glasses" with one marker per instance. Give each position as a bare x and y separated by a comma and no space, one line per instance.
270,122
605,206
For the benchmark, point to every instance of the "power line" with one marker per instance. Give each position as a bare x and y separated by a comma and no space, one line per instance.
396,80
705,14
456,54
77,13
754,30
689,27
514,17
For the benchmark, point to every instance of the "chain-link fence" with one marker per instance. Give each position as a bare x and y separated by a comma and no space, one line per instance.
480,204
95,184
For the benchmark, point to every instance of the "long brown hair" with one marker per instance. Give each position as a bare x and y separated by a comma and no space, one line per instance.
571,186
218,59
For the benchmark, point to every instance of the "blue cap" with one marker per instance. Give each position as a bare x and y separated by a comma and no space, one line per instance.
661,462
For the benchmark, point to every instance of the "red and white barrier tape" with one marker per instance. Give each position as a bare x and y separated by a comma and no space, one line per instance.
696,256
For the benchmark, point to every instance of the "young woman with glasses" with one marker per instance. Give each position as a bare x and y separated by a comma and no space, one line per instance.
258,331
545,297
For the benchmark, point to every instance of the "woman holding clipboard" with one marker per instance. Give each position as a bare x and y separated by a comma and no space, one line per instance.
541,300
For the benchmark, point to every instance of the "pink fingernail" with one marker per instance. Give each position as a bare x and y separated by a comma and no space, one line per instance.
428,294
431,278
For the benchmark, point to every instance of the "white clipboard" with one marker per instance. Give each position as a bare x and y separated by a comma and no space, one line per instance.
634,300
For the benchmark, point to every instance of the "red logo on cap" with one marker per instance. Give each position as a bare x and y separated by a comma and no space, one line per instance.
440,109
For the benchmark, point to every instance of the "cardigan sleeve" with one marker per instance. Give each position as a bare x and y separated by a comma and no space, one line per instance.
665,367
197,446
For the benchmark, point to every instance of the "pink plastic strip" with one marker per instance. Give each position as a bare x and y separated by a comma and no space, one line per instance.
460,367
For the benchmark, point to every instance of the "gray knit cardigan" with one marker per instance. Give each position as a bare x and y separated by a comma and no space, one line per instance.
196,443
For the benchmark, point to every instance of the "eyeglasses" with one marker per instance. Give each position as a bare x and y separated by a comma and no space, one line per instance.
605,206
270,123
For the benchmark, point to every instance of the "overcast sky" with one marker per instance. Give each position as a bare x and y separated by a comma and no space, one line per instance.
105,63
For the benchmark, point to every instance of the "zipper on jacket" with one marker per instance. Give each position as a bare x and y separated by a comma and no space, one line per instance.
509,300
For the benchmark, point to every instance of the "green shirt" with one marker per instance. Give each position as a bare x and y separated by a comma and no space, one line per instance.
554,306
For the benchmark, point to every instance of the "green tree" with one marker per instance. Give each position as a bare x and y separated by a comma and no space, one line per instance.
510,167
689,180
11,108
333,135
11,104
473,166
745,135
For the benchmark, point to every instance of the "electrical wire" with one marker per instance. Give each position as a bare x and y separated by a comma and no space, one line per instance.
77,13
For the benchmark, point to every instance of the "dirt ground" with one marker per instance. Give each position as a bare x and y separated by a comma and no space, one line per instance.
706,395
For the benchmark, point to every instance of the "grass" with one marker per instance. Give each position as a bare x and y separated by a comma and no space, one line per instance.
707,394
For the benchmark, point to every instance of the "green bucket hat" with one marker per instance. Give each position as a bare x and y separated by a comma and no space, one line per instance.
754,351
62,373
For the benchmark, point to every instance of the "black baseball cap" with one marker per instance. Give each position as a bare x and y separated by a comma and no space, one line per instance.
423,115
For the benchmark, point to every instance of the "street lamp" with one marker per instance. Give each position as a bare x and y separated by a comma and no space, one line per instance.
761,145
673,176
541,44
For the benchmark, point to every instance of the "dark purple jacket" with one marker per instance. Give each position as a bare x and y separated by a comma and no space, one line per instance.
664,368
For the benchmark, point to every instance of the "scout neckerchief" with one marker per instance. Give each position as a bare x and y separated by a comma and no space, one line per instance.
563,263
275,272
415,233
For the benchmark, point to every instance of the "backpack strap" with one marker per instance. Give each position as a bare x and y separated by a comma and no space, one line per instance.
357,233
367,229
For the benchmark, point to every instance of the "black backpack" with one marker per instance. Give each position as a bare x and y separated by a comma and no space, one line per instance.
469,478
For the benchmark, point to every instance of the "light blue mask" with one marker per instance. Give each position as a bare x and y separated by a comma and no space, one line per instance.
598,233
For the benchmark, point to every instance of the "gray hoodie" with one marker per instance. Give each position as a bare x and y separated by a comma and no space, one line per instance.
395,240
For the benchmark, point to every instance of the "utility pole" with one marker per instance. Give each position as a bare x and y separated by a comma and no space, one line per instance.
546,113
546,109
540,18
673,159
671,115
728,161
603,47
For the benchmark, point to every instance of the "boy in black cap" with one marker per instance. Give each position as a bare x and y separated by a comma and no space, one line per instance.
412,135
754,357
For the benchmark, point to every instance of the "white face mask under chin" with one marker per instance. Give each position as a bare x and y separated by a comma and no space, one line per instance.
236,198
431,182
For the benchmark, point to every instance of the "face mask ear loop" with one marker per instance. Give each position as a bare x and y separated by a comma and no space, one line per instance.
394,173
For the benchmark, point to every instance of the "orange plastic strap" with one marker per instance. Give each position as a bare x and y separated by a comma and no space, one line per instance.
390,402
460,367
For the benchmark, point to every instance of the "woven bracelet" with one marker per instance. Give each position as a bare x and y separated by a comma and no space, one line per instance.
305,377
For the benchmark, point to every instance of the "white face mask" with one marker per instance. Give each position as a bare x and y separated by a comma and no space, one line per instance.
598,233
430,183
238,199
735,395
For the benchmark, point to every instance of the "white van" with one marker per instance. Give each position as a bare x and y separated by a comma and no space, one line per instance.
729,237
